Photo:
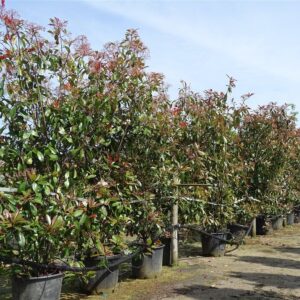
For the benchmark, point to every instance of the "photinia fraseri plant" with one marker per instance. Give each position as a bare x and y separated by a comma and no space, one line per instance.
266,139
283,189
149,154
71,117
205,128
147,223
84,132
34,221
133,96
245,207
291,176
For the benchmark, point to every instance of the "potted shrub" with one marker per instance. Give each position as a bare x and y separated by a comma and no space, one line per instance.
70,116
48,108
147,226
36,243
208,125
35,220
118,131
244,213
265,138
99,235
275,214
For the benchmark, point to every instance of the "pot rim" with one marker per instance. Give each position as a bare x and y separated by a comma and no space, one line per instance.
159,247
103,257
38,278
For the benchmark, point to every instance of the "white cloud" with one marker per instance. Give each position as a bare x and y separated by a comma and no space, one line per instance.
247,51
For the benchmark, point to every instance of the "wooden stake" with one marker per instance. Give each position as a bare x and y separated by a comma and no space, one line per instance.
174,242
253,231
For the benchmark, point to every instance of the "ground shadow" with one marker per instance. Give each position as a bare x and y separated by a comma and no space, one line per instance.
266,279
203,292
291,250
272,261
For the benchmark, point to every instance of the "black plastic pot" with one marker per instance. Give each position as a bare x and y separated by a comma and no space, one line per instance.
104,280
284,220
237,230
297,216
290,218
263,225
167,251
37,288
212,245
277,222
260,224
146,266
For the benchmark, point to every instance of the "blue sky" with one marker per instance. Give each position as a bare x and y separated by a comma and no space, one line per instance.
256,42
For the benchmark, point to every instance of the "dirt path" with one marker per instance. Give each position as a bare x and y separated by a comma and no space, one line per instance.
267,267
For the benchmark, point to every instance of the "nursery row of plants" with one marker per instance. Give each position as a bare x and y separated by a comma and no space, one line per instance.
94,152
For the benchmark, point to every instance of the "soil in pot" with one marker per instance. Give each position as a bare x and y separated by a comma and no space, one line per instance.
146,266
104,280
290,218
37,288
212,245
277,222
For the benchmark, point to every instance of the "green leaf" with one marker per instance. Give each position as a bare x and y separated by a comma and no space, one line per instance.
57,167
48,219
2,86
38,199
52,150
47,190
67,183
21,239
33,209
81,154
13,112
62,131
40,156
70,140
83,219
53,157
29,161
57,222
91,176
104,211
48,112
35,187
2,152
26,135
78,213
22,187
34,133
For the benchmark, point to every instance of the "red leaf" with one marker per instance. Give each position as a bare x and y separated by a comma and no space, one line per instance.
183,124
